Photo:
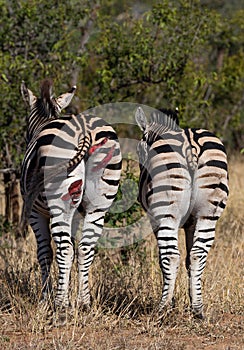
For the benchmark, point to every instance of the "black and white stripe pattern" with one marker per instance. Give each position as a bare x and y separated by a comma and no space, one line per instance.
71,162
183,183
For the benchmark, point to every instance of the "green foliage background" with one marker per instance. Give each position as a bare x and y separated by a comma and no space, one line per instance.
184,53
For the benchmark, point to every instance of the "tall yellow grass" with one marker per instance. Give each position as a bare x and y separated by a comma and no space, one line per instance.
126,295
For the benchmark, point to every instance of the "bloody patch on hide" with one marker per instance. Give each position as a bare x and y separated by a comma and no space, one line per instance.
105,160
74,192
100,144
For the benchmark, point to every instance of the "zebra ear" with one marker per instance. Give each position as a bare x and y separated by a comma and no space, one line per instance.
141,118
27,95
64,100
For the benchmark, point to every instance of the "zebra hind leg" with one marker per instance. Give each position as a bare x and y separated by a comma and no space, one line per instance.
189,228
92,230
64,258
169,259
40,227
61,234
200,239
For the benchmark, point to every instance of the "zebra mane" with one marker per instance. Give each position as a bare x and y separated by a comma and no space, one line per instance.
162,121
165,117
46,103
46,90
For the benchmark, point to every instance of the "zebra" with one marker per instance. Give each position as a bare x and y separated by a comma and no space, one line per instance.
72,162
183,183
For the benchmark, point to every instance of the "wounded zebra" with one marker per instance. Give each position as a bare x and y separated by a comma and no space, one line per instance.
71,162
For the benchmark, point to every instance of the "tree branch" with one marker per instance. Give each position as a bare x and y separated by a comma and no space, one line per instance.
234,111
7,170
84,40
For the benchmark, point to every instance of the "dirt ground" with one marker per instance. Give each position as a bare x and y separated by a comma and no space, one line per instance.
224,332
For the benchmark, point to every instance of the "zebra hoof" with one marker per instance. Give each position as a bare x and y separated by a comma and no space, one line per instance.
164,311
85,308
198,316
167,306
46,308
60,317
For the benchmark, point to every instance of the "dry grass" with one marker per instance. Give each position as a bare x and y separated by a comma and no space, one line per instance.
125,296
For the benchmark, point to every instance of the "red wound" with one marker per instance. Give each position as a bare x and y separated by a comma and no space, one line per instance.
105,160
75,187
74,191
100,144
65,197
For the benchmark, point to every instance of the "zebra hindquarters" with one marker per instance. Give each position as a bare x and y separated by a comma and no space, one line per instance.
210,195
102,180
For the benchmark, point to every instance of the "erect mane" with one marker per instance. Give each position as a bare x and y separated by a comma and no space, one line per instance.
170,113
166,118
46,89
46,101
